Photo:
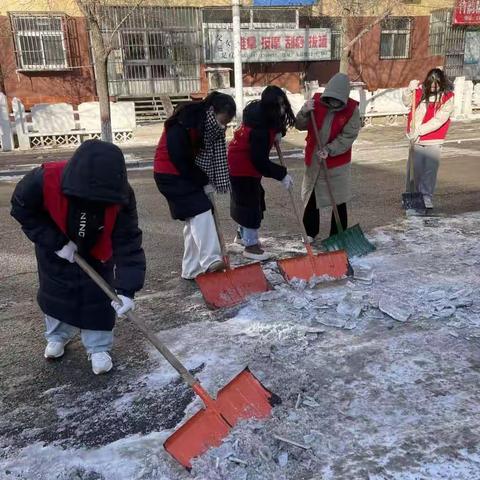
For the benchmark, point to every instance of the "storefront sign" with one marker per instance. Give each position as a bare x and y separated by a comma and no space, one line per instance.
286,45
467,12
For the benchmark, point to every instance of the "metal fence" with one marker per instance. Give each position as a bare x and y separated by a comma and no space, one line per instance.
158,50
448,40
44,41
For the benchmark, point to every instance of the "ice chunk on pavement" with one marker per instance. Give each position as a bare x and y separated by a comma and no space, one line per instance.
394,308
283,459
363,274
349,306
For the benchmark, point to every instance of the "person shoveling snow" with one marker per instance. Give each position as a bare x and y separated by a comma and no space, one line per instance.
84,205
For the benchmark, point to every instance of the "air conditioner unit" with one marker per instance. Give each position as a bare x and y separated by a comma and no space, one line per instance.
218,78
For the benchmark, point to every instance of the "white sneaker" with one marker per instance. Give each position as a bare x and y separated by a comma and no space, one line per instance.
310,239
101,362
217,266
54,350
427,200
255,252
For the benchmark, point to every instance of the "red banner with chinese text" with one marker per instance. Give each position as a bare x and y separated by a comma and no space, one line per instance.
467,12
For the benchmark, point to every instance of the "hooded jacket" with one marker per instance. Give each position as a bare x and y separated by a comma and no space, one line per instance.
95,174
338,127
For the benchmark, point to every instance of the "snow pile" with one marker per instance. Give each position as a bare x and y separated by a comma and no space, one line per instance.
378,374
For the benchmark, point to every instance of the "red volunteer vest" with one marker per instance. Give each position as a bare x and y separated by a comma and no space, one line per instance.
340,119
162,162
56,204
239,153
432,109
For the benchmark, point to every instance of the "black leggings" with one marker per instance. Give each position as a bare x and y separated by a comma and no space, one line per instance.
311,218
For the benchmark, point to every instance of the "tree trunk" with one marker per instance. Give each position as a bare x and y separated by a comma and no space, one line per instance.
344,53
101,81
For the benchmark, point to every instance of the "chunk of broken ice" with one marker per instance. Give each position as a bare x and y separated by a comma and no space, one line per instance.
395,308
363,274
349,306
283,459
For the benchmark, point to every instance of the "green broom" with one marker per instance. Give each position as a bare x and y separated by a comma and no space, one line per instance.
352,240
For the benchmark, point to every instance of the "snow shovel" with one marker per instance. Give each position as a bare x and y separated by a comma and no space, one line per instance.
233,285
312,265
352,240
412,200
244,397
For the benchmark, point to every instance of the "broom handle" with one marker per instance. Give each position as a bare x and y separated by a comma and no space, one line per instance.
294,205
221,239
323,162
413,187
169,356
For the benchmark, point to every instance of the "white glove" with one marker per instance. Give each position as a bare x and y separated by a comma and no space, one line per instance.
414,84
322,154
413,136
67,252
287,181
209,189
308,106
278,138
128,305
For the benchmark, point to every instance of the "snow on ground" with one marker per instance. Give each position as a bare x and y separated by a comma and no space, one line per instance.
369,395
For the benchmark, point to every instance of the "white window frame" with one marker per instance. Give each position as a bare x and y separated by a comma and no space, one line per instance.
23,59
394,32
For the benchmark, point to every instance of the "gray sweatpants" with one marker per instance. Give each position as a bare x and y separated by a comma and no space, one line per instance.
94,341
425,163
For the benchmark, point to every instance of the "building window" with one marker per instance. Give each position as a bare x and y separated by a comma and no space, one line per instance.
440,25
40,41
395,38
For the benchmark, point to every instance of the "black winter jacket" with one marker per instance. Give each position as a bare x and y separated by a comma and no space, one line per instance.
184,192
96,172
247,198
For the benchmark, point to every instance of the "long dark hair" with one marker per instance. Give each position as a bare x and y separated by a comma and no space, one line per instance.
220,102
435,76
270,101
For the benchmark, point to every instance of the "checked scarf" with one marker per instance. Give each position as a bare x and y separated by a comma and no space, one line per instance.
212,158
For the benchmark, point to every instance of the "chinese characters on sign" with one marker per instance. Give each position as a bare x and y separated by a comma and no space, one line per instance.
270,45
467,12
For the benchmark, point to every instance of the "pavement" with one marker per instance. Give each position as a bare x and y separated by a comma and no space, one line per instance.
166,301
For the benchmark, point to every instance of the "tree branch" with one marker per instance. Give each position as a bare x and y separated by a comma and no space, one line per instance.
352,42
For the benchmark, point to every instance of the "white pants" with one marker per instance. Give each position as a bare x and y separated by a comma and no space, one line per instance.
202,247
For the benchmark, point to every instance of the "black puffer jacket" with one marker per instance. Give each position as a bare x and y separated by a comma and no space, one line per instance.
247,202
96,172
184,192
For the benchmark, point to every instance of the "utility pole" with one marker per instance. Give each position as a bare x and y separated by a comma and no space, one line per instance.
237,58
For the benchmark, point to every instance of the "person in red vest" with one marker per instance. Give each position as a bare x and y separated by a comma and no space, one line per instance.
434,107
338,121
84,205
264,122
190,164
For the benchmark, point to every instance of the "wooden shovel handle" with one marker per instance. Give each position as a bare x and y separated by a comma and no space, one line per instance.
154,340
323,162
413,187
221,239
294,205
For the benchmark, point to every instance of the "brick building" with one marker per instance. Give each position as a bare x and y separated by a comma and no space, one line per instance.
45,50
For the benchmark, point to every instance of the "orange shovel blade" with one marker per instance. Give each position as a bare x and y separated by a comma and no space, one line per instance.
233,286
333,264
242,398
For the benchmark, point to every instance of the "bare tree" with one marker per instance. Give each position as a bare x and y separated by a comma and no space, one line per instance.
7,61
353,27
99,18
